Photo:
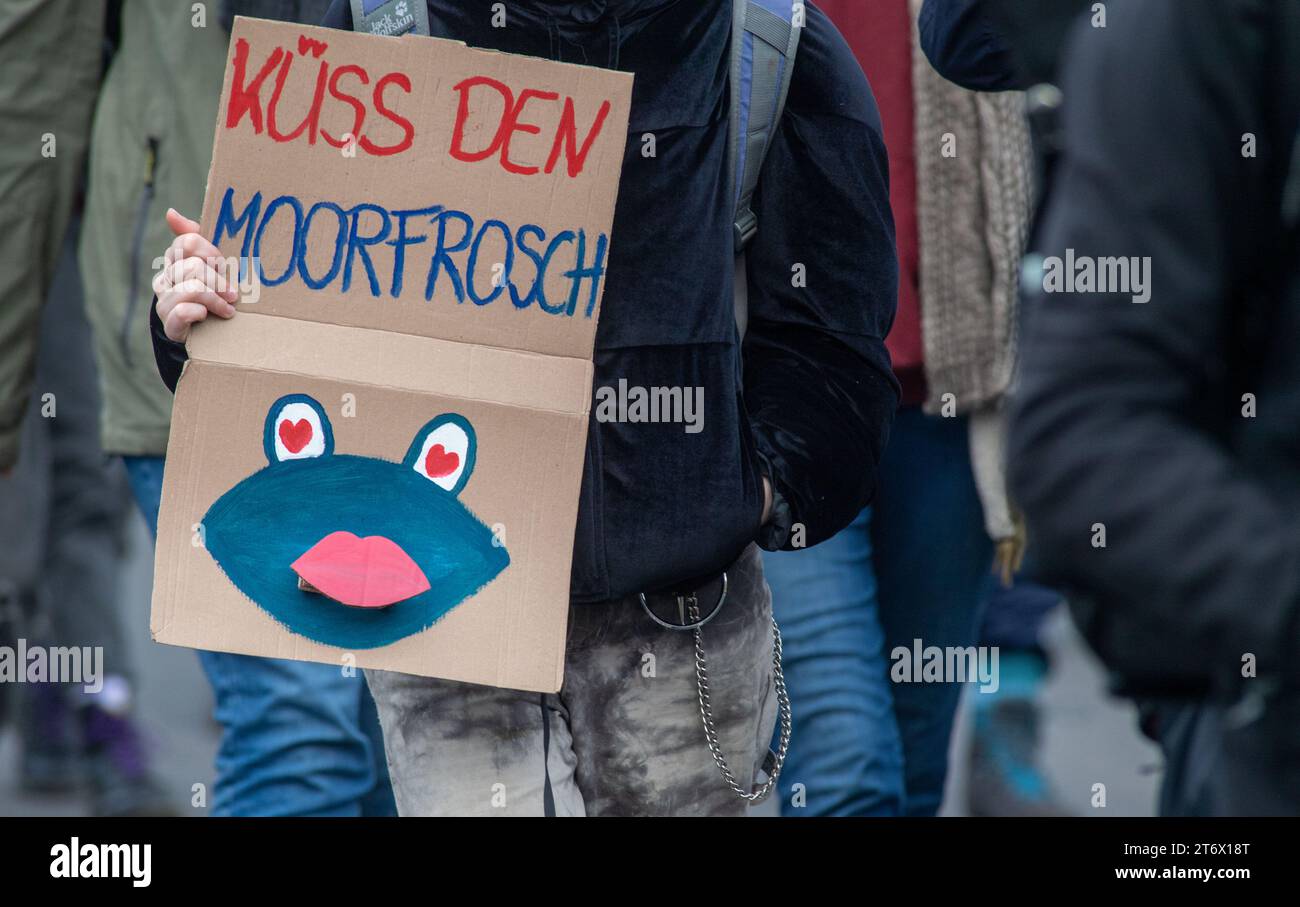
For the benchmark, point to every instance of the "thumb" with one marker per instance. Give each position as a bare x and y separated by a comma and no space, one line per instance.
179,223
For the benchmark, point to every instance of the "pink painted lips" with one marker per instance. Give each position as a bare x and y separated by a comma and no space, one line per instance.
370,572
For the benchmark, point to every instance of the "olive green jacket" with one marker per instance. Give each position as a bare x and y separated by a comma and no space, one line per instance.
50,53
151,144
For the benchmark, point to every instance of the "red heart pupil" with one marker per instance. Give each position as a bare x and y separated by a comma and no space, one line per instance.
295,435
439,462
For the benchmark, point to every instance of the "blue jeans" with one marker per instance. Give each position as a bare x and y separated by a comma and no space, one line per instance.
914,565
300,739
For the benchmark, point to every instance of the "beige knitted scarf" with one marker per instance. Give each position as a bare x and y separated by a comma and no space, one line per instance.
972,178
973,164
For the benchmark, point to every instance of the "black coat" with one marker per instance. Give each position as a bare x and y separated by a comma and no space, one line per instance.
1174,424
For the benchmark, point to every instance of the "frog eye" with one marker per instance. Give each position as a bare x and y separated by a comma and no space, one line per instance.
443,452
297,429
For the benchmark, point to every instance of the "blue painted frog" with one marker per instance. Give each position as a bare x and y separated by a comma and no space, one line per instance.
353,551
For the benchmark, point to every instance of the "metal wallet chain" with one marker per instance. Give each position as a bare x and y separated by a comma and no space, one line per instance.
760,793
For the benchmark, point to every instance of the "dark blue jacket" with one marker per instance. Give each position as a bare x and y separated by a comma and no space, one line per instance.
964,45
813,407
999,45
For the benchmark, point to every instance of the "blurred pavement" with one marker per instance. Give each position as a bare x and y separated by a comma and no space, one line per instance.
172,698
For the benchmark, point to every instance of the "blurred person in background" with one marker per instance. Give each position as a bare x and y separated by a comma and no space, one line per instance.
61,548
63,503
1156,433
1009,45
915,564
998,46
45,110
298,738
1005,775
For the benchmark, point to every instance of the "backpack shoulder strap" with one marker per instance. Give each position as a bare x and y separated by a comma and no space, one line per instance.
764,38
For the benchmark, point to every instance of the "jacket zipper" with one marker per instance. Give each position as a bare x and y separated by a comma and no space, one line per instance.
137,247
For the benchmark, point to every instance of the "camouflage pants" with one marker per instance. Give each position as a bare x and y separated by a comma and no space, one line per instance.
622,737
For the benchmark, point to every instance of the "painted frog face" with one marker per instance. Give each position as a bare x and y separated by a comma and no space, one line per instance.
352,551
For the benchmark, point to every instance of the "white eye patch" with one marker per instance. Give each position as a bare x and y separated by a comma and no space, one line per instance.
298,433
444,455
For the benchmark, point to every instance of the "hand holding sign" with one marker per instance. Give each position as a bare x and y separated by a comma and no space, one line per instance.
188,286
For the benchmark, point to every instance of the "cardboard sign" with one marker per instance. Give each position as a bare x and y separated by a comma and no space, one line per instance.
378,462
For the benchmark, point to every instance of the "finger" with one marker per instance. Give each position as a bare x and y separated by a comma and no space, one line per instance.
162,281
193,290
191,245
188,269
181,224
181,317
